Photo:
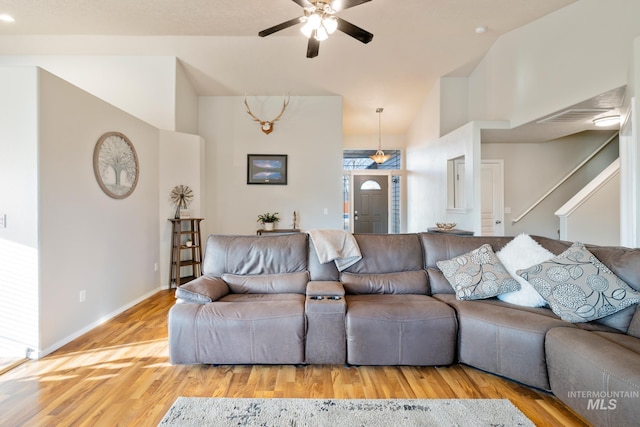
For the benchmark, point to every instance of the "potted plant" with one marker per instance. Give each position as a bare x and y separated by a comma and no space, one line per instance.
268,220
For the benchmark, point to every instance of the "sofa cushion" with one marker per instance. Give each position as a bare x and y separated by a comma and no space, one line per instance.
440,246
623,340
318,271
387,253
251,298
438,284
634,325
504,338
406,282
478,274
578,287
592,371
288,283
250,255
202,290
399,330
269,329
523,252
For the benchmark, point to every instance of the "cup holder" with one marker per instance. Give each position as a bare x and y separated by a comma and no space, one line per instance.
330,298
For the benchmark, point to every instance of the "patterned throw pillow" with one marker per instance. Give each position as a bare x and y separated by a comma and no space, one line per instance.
478,275
578,287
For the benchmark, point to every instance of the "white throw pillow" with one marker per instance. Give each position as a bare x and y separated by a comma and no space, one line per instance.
520,253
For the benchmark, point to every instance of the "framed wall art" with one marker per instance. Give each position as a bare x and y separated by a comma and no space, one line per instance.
270,169
115,164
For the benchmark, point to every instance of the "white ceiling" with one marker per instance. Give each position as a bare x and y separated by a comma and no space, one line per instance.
415,42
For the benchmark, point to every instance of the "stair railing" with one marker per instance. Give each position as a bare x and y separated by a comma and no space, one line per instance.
563,180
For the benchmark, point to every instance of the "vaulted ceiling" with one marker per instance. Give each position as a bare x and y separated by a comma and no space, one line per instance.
415,42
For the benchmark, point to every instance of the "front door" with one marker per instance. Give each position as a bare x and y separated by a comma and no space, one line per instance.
371,204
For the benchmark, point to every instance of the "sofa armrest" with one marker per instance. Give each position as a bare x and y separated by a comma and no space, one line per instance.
325,288
202,290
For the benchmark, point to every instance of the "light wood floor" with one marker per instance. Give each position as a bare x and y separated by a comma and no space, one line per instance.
119,375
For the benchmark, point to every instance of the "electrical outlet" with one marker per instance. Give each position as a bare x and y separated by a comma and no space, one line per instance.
155,266
3,220
83,295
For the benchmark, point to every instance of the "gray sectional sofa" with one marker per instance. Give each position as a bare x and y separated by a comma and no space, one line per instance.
269,300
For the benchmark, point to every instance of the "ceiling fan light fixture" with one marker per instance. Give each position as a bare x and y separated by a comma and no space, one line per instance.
319,22
607,121
314,20
312,23
330,23
307,30
321,34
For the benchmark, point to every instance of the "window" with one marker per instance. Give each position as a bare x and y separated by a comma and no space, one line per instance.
359,160
370,185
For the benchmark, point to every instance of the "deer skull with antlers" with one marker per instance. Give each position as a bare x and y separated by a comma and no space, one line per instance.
266,125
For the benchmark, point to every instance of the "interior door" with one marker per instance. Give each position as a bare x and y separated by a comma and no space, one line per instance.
492,205
371,204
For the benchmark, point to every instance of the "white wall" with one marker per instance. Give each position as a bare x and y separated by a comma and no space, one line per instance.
19,202
454,98
144,86
630,156
309,132
186,102
425,202
370,142
427,179
181,163
566,57
87,240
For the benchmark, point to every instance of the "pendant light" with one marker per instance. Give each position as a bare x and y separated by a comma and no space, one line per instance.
380,157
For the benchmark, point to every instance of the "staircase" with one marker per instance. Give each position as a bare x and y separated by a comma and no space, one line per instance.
593,214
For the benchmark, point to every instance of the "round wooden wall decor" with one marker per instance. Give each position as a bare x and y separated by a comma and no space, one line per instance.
115,164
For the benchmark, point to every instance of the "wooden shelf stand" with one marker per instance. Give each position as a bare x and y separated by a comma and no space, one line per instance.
184,257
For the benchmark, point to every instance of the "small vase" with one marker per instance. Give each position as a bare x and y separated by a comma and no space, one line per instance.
268,226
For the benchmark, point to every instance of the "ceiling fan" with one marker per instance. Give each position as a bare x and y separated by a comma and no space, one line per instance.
320,21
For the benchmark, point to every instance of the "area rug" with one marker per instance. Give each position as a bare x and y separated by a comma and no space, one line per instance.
199,411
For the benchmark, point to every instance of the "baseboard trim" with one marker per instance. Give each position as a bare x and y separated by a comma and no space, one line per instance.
33,354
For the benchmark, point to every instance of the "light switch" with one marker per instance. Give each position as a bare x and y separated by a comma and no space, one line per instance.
3,220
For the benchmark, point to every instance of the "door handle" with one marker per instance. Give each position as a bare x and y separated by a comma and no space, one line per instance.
498,221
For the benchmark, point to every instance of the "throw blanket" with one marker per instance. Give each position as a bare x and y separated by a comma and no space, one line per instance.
337,246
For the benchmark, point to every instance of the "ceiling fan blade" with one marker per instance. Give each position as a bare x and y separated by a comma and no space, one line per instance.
354,31
339,5
279,27
306,3
313,47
